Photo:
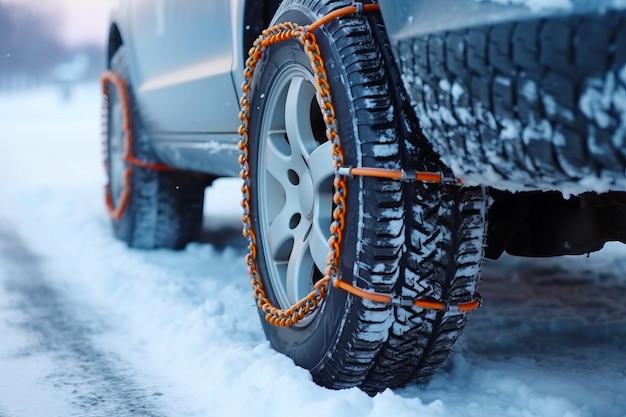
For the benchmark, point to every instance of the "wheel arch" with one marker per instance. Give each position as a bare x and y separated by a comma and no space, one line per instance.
114,42
257,15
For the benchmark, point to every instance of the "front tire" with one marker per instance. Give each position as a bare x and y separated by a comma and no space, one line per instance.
403,240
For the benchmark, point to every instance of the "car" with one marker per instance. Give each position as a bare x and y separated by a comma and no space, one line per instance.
385,149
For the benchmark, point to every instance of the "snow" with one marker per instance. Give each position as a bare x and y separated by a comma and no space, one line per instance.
548,342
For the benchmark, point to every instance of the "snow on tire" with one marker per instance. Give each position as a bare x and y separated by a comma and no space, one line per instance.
525,105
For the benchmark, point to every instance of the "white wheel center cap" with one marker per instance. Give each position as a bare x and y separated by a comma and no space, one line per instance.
307,196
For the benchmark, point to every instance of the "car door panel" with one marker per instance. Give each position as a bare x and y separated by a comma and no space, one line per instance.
184,60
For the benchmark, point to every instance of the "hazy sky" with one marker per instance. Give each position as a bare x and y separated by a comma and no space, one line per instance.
82,20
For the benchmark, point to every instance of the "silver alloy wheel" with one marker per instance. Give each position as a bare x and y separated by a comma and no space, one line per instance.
295,186
115,147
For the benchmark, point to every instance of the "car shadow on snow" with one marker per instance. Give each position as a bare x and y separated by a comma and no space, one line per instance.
222,233
542,310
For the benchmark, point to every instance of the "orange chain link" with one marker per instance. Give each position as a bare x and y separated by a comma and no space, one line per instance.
270,36
121,88
295,313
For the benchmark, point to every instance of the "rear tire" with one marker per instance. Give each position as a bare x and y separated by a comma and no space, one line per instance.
165,208
411,240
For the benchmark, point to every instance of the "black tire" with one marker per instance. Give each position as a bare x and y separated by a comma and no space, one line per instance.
533,103
392,232
165,208
445,232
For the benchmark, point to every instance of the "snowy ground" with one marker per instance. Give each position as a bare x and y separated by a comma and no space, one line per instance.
91,328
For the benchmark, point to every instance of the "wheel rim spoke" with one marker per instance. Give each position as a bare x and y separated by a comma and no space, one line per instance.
318,242
278,159
281,236
320,164
300,269
298,116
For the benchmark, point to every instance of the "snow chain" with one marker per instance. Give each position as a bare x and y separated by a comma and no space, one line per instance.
121,89
295,313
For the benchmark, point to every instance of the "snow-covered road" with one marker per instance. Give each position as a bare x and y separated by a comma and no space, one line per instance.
91,328
59,331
